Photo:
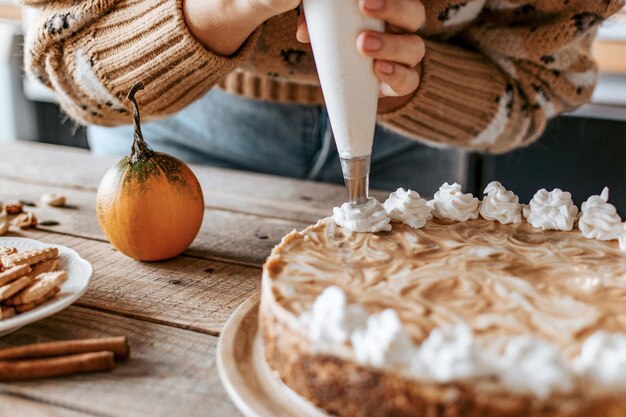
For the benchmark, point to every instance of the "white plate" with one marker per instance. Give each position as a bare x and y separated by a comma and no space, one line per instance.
254,388
79,273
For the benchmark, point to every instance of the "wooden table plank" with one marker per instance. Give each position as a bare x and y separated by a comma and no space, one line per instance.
22,407
265,195
245,238
184,292
171,372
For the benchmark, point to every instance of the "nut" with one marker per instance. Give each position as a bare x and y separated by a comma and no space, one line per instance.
15,208
25,220
52,199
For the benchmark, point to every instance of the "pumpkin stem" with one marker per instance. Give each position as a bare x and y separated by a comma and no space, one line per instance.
140,150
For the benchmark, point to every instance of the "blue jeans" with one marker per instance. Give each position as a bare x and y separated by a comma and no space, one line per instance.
292,140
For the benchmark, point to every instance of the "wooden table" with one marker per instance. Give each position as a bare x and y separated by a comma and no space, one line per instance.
173,311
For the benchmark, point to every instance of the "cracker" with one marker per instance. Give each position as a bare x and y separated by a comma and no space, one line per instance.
7,250
45,266
22,308
14,287
29,257
36,270
6,312
14,273
42,284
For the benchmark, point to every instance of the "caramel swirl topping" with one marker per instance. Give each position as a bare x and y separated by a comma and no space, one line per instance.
502,280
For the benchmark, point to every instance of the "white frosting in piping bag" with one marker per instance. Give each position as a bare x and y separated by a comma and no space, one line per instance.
450,203
552,210
501,205
369,217
408,207
599,219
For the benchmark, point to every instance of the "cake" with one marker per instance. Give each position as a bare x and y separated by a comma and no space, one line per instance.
453,307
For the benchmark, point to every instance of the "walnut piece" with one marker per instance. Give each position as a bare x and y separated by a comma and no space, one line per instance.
15,208
54,200
25,220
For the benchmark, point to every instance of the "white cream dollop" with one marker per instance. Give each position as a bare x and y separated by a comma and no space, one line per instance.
450,203
552,210
622,239
599,219
534,365
603,358
408,207
448,354
331,319
369,217
383,341
501,205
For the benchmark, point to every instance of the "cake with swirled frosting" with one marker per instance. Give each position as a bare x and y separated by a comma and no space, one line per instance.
456,318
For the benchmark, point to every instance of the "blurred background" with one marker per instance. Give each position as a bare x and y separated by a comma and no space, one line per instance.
580,152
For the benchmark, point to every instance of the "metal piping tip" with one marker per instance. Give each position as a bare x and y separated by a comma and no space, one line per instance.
356,177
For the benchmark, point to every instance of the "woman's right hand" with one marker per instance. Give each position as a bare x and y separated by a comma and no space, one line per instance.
223,26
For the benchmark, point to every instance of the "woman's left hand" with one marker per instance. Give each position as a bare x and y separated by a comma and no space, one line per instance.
397,53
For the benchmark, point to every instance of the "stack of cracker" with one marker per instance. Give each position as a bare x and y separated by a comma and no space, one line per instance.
28,279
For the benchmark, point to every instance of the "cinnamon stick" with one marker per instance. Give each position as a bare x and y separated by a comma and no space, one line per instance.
117,345
57,366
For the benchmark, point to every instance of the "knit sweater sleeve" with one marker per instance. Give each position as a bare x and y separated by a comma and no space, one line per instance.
91,52
509,75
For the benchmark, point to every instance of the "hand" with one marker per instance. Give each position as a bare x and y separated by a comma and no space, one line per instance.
222,26
396,53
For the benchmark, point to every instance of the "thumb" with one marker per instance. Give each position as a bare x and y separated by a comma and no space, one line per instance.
302,33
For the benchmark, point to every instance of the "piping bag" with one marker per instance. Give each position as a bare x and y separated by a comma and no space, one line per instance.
349,85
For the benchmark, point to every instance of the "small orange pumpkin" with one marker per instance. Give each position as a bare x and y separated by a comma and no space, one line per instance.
150,204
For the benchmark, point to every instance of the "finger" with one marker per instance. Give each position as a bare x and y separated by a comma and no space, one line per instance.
405,49
302,33
408,15
396,80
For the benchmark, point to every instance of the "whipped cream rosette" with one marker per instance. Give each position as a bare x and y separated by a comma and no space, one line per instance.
500,205
603,357
450,203
622,239
551,210
406,206
369,217
531,364
331,319
599,219
450,353
383,341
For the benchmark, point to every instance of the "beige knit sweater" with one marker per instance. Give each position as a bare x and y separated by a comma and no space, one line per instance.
494,71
